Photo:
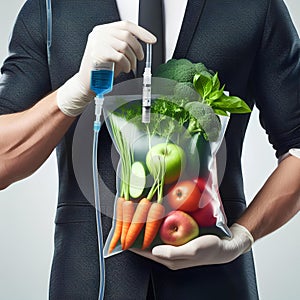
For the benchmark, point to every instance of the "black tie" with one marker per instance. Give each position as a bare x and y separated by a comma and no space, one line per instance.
151,17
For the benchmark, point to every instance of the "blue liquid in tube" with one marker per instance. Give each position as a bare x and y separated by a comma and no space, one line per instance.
102,81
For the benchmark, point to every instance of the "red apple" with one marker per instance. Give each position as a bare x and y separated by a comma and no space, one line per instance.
205,188
205,216
201,183
178,228
184,196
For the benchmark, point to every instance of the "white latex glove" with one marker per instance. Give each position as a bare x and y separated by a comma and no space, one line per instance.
114,42
205,250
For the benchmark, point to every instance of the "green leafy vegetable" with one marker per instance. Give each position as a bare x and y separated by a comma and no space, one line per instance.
209,89
126,156
205,82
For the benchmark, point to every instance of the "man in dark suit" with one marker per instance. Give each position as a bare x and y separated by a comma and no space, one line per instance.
254,47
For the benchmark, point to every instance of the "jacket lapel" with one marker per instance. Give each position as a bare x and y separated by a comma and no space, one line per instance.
114,10
191,18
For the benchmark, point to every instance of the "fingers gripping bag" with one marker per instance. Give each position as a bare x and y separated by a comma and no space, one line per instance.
167,177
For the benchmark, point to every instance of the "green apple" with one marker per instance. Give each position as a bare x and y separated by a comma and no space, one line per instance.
173,157
141,146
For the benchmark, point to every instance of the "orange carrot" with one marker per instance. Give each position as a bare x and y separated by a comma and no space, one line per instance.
118,227
128,212
154,219
138,221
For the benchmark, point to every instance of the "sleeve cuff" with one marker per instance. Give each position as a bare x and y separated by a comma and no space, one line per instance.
294,152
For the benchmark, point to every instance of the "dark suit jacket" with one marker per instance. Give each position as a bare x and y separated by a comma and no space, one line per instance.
254,47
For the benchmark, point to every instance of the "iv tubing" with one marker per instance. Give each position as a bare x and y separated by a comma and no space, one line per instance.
97,126
149,56
101,83
49,28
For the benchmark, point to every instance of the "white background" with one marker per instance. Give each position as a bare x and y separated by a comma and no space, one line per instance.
27,211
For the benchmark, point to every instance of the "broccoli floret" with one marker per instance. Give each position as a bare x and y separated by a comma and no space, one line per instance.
181,70
185,90
200,67
206,118
165,68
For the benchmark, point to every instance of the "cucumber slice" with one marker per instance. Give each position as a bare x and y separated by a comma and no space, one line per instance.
137,179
